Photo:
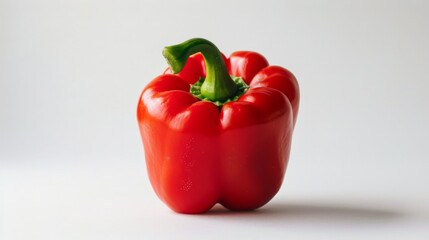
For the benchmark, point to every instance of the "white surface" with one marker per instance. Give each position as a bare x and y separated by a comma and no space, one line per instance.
86,201
71,158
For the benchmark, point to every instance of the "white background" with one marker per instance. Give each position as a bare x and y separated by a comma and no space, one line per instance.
71,159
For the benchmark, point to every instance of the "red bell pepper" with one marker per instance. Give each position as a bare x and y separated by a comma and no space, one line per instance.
208,137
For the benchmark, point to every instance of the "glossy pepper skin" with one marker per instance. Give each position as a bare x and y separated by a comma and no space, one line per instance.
198,155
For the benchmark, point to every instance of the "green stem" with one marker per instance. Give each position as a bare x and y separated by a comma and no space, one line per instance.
218,85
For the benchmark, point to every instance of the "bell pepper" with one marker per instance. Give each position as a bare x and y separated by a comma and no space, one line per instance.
216,129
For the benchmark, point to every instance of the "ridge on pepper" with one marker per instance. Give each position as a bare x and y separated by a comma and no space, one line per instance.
217,129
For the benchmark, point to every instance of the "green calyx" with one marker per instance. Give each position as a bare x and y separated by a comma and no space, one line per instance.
218,85
241,89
